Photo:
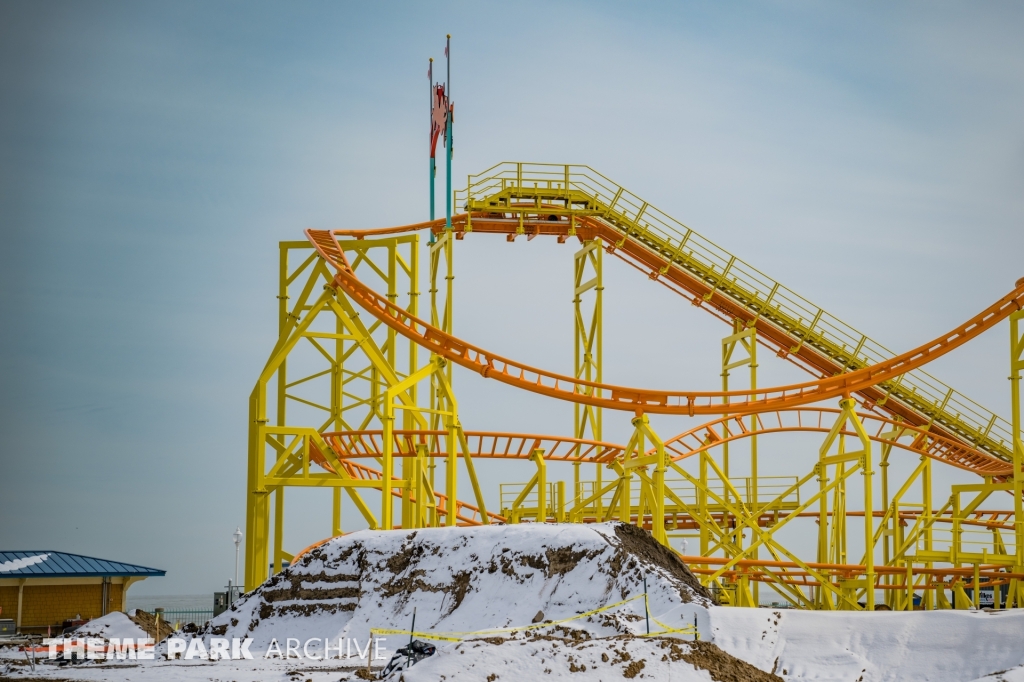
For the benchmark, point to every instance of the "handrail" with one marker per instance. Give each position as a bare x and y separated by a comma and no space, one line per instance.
584,191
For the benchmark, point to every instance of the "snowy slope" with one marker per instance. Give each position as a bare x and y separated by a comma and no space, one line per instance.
595,660
115,624
468,579
880,646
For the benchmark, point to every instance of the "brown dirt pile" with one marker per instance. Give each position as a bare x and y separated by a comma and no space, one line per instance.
148,623
641,544
721,666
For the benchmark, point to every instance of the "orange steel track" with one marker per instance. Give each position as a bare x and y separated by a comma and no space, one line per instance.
349,445
820,419
361,472
496,445
794,575
638,400
485,444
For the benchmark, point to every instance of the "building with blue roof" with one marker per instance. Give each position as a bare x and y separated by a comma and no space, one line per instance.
43,590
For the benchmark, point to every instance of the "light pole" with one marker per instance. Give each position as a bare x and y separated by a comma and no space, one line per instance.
237,535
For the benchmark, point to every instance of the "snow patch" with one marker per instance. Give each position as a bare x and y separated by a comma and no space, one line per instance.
115,624
24,562
880,646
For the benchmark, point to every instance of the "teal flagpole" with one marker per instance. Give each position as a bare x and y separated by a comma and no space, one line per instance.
430,138
448,139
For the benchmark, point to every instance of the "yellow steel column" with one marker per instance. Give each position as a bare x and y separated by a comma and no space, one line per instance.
587,276
869,525
411,269
927,596
441,266
755,502
889,520
337,409
744,337
336,512
542,485
1016,365
451,473
257,516
387,464
278,530
658,480
702,504
282,329
822,594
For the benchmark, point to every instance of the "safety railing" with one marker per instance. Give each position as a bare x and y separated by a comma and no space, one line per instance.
529,506
964,545
769,489
511,187
179,617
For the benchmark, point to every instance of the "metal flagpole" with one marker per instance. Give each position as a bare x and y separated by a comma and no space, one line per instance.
448,137
430,139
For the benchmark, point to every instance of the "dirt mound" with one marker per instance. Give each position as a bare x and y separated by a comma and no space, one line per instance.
640,543
148,623
721,666
466,580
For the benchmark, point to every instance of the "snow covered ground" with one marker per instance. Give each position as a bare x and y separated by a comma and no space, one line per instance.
881,645
509,580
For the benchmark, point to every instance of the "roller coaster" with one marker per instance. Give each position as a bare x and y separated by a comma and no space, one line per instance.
349,349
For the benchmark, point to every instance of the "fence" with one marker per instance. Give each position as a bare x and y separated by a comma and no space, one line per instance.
179,617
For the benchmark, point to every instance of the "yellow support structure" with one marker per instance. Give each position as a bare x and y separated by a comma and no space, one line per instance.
1016,593
744,339
359,366
832,526
360,397
442,279
572,191
588,349
637,457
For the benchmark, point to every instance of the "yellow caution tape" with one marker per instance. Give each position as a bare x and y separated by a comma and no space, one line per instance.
460,636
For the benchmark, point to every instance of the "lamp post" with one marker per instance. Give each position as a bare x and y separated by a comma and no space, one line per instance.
237,536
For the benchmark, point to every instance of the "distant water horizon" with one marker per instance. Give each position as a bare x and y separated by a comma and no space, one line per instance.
170,602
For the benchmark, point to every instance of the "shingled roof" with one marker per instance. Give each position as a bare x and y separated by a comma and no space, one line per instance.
43,564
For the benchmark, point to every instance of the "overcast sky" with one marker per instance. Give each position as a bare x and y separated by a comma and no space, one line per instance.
152,155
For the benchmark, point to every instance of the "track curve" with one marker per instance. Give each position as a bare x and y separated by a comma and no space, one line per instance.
731,428
638,400
482,444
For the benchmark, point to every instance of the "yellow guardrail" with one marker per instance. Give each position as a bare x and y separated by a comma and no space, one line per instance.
507,186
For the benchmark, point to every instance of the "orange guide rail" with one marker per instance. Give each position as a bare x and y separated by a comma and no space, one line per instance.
638,400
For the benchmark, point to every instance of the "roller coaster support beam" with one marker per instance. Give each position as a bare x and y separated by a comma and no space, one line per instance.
744,339
832,536
328,327
1016,365
442,280
588,277
539,482
652,488
728,504
890,524
764,536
